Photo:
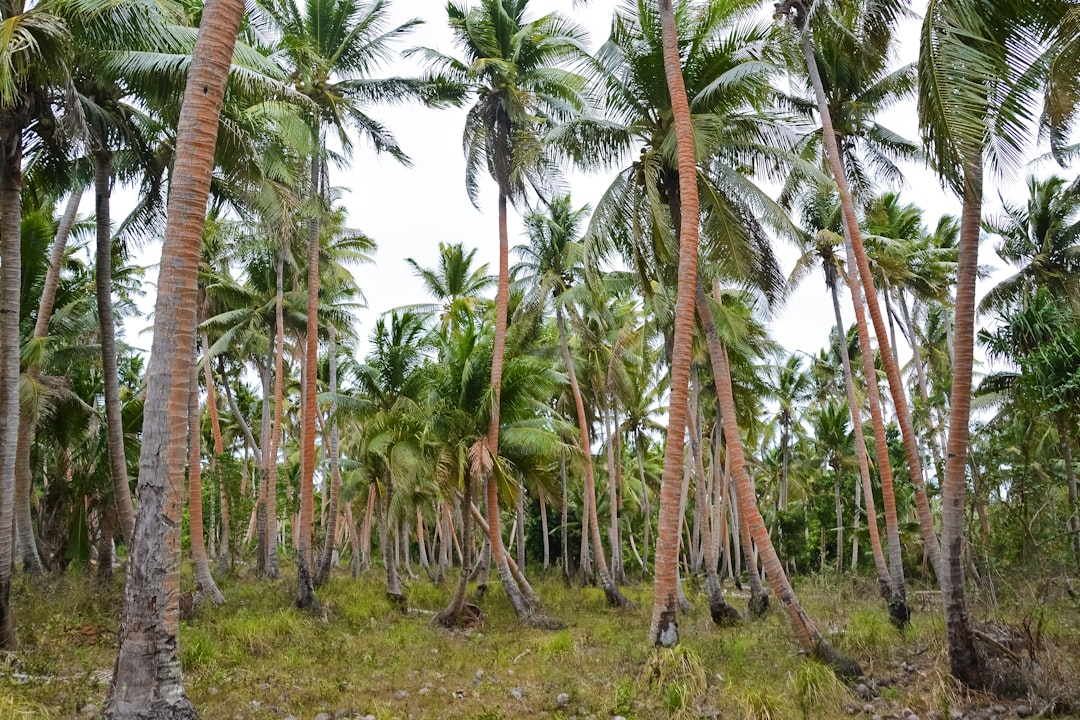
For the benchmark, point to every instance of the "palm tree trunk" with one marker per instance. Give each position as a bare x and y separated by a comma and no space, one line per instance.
618,574
544,531
607,582
920,374
204,581
502,302
388,544
646,509
860,445
10,278
147,681
365,532
114,421
223,558
564,531
892,371
965,661
279,409
663,628
305,593
323,573
806,632
1073,526
719,610
27,422
451,615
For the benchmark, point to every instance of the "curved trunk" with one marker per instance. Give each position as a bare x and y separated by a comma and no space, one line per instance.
204,581
663,628
224,551
860,447
965,661
452,614
147,680
892,371
806,632
323,573
114,421
607,582
502,301
27,422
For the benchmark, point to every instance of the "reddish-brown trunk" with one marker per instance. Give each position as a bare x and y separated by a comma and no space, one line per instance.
663,628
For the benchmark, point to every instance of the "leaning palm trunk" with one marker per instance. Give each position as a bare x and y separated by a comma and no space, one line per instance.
452,614
27,420
807,633
854,236
204,580
759,600
147,680
663,628
860,447
607,582
114,421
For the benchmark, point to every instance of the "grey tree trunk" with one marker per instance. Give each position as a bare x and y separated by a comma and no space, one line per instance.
204,580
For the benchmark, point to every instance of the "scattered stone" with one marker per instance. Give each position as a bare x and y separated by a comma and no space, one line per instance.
875,717
851,710
955,714
933,715
212,691
906,712
864,691
618,717
370,717
479,675
290,717
999,709
340,713
423,691
562,699
256,703
399,695
90,709
509,671
516,693
323,716
1023,711
868,708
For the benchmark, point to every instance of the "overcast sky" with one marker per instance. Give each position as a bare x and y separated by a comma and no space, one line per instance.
409,211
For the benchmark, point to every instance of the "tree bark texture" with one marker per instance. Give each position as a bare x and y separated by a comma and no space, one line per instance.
204,580
147,681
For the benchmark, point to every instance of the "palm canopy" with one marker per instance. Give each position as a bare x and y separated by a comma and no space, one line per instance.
455,284
514,68
330,49
854,45
1042,238
727,66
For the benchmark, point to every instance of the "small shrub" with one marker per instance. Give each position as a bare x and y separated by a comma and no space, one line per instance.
677,676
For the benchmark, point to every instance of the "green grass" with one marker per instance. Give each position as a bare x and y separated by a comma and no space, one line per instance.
258,657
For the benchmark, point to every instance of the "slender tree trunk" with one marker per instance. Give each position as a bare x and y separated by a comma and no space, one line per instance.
663,628
1073,526
607,582
388,546
618,574
564,534
224,552
544,531
365,533
880,565
924,393
965,660
114,421
452,614
10,277
323,573
275,428
646,508
839,521
892,371
204,581
147,681
304,560
27,421
356,564
520,525
719,610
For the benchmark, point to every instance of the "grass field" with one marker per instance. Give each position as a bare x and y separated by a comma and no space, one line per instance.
258,657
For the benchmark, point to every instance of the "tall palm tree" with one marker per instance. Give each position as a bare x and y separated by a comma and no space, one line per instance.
869,44
455,284
331,48
979,77
551,264
514,68
32,56
147,679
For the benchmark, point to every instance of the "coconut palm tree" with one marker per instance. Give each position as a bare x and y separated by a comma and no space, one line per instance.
331,48
979,77
869,44
147,679
513,66
456,286
551,264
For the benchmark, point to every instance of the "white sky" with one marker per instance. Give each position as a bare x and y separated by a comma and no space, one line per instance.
408,211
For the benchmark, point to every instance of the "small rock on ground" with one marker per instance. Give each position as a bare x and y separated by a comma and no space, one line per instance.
562,699
323,716
399,695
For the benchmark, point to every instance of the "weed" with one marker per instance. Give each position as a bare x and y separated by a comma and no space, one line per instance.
760,705
816,688
677,675
870,634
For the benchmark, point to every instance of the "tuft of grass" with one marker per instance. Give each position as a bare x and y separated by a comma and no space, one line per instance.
870,634
816,689
678,677
558,645
760,704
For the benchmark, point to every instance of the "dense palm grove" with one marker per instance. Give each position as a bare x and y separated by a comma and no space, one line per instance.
610,400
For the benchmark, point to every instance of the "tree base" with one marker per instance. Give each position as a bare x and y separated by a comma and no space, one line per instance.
845,667
398,601
723,614
615,598
305,592
178,709
539,621
758,606
899,613
469,616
